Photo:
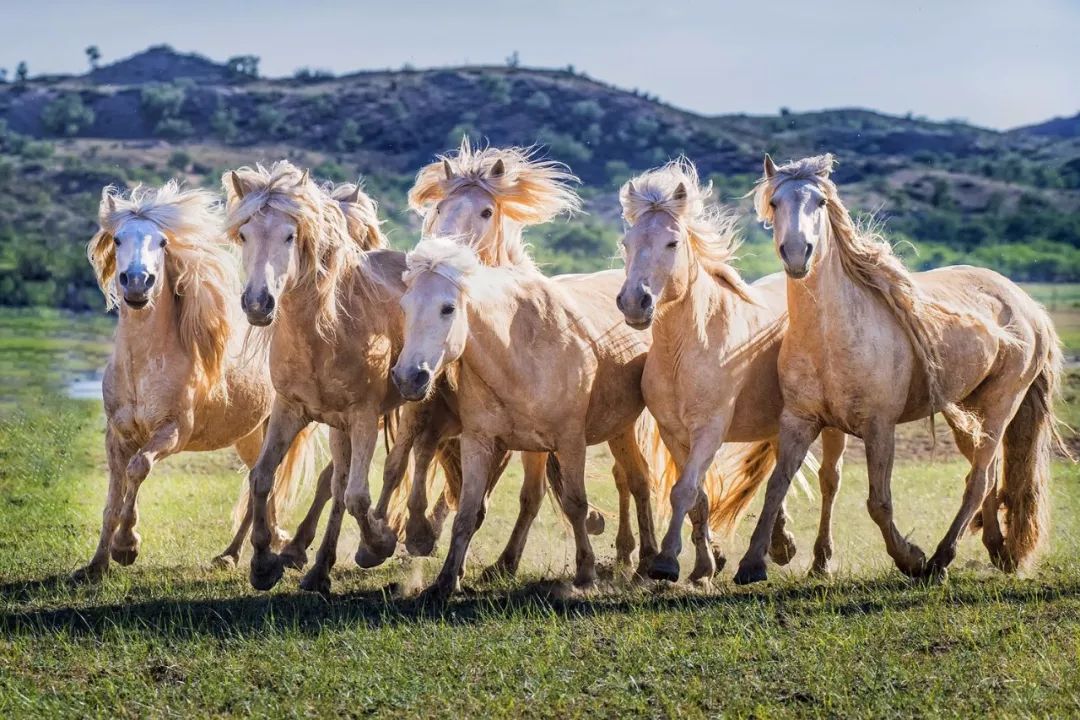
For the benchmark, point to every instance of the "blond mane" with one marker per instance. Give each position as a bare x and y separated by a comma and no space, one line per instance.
868,260
200,271
332,235
713,233
528,191
442,256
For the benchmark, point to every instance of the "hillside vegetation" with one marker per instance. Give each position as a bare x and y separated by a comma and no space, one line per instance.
1009,200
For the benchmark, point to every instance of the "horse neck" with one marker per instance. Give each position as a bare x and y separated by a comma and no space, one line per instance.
827,303
485,354
693,309
145,334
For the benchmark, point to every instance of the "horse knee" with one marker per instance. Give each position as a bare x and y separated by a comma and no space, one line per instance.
358,502
138,468
880,510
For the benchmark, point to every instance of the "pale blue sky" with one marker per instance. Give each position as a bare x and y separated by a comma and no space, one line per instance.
994,63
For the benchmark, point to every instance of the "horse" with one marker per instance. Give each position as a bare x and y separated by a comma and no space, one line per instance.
870,345
485,198
710,376
328,300
177,379
538,364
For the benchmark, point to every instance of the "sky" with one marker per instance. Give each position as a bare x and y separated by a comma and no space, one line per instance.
992,63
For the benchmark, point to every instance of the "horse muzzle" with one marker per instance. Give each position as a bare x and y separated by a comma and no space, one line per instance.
137,287
414,383
637,308
259,307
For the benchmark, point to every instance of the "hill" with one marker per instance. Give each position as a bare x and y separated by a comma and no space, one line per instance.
1006,199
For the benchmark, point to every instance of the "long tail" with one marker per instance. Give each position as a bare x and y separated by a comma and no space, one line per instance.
296,472
1030,440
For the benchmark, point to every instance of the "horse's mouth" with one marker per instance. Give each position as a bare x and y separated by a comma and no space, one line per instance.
260,320
797,274
137,303
639,324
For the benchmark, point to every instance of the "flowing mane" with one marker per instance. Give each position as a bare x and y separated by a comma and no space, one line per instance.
442,256
674,189
527,191
332,232
868,259
202,272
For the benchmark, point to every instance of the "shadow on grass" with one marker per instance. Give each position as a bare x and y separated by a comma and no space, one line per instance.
308,613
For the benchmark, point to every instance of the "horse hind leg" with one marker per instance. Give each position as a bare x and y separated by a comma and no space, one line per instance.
530,499
987,520
317,578
833,442
118,457
631,463
247,448
125,543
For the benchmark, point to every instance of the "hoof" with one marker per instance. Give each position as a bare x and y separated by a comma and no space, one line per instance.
435,596
664,568
781,551
750,574
703,570
719,558
87,575
916,569
226,562
585,581
124,556
820,571
367,557
594,523
420,541
266,572
316,581
293,557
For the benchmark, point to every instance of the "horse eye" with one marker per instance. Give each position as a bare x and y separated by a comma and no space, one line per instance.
164,242
242,238
116,241
447,310
292,236
772,204
485,213
821,202
673,244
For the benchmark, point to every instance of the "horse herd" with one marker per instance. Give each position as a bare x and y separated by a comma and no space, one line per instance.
461,351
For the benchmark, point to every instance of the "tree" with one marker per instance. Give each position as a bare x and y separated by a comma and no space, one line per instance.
514,60
243,67
3,75
93,55
22,73
66,115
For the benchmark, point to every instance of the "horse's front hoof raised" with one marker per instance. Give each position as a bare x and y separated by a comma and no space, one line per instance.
594,523
316,580
367,557
664,568
783,549
748,574
265,572
87,575
224,561
124,556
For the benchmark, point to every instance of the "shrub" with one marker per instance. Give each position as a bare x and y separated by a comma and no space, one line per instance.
588,110
349,137
173,128
539,100
162,101
66,115
223,124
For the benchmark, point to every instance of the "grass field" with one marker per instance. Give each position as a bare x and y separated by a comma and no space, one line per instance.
172,637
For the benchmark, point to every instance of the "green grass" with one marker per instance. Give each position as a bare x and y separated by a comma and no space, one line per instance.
172,637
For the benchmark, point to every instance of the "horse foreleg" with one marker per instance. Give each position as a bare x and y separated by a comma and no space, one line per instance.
378,538
420,533
833,442
294,554
118,456
796,436
317,578
529,500
162,443
880,445
285,424
636,475
687,498
479,459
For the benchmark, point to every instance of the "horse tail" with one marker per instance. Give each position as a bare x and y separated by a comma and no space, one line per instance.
291,478
449,458
594,521
1029,442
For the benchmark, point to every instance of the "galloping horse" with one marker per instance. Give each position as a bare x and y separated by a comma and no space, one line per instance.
178,379
710,376
485,198
330,305
870,345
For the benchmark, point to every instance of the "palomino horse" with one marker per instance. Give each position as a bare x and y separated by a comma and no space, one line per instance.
870,345
710,376
485,198
177,379
539,364
331,309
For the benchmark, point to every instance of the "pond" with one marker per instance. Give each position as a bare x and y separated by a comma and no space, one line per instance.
47,352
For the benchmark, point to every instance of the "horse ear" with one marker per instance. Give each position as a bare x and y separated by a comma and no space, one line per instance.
447,169
354,196
680,192
630,189
304,177
770,166
236,186
498,169
110,202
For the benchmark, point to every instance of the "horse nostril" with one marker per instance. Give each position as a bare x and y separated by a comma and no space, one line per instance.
268,302
618,301
421,377
646,301
123,279
783,254
809,250
150,279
